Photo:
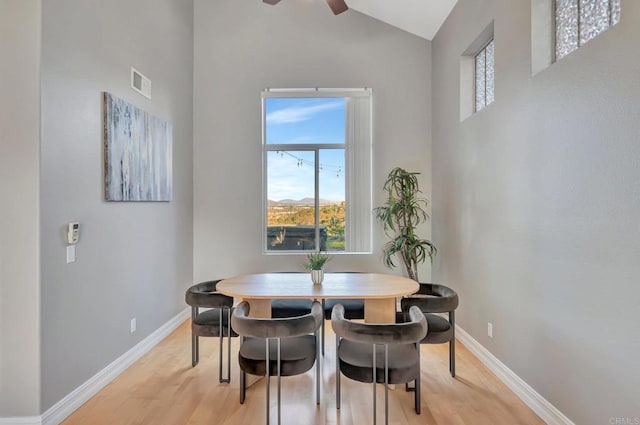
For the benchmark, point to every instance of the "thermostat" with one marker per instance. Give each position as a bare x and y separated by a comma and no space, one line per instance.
73,233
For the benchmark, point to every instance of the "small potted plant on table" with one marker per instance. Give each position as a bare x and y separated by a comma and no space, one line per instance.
315,263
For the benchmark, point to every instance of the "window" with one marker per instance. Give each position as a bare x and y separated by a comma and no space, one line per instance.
558,27
484,76
317,170
477,74
578,21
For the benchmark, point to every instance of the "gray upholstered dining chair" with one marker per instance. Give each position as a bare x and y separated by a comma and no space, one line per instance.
284,344
432,298
283,308
213,322
379,353
353,309
280,308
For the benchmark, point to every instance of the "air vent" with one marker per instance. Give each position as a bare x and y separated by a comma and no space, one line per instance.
140,83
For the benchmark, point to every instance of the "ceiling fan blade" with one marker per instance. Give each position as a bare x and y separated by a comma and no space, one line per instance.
271,2
337,6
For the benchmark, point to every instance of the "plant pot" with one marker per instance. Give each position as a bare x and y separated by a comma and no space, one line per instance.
317,276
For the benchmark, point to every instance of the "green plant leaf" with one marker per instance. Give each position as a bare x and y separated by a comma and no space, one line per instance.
316,261
400,215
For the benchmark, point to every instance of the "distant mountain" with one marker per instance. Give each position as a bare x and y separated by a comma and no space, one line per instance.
299,202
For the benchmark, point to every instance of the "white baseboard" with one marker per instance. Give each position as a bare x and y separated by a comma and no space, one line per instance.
62,409
541,406
22,420
65,407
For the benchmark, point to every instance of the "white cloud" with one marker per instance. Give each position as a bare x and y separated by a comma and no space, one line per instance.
299,113
287,180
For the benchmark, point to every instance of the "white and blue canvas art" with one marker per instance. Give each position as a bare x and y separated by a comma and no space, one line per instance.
138,153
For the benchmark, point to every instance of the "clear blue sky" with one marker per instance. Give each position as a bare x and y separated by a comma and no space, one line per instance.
305,120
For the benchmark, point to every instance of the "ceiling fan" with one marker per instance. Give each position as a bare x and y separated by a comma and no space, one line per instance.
337,6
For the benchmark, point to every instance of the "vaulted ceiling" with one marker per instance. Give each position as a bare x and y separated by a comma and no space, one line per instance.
420,17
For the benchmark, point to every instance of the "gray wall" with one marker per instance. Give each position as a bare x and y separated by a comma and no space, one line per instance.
19,226
133,259
536,208
242,47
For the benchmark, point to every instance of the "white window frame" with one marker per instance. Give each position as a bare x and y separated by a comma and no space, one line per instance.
358,166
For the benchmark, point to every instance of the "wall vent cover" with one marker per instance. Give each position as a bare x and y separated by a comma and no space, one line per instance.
140,83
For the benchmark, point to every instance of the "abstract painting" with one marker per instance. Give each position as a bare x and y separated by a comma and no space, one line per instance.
138,153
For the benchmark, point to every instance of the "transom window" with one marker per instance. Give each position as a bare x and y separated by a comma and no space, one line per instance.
578,21
317,170
484,73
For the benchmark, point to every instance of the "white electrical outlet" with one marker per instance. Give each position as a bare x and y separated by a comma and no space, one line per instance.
133,325
490,329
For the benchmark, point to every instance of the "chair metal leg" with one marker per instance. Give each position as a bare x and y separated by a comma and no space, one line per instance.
417,394
243,386
375,380
221,378
243,380
386,384
268,375
279,383
337,374
195,348
452,345
229,344
318,366
323,335
323,325
195,342
221,338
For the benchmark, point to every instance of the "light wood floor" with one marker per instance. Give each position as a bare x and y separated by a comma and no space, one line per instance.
163,388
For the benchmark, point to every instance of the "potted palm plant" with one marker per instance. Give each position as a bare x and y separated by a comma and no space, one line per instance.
400,215
315,263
